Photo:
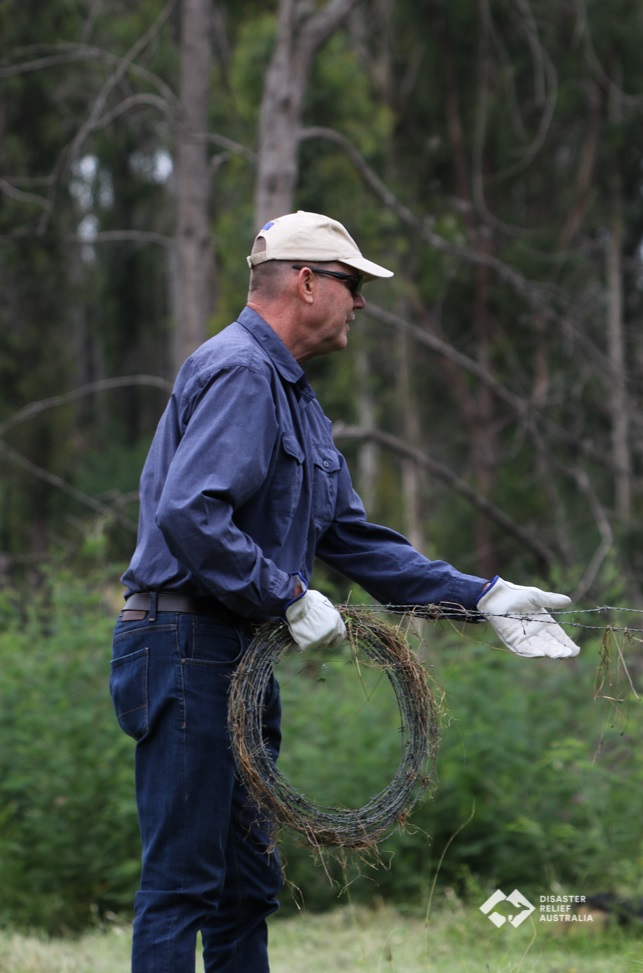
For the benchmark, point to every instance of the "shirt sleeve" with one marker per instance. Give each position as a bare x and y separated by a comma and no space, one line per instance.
209,478
387,566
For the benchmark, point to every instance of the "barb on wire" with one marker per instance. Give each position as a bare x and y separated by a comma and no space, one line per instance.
442,612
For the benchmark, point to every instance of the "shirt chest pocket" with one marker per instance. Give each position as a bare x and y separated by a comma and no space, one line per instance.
288,479
325,476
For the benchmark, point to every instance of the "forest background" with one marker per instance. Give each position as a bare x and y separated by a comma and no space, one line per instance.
489,151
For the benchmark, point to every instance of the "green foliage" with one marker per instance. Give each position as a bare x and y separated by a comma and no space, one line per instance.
546,773
68,833
338,710
538,780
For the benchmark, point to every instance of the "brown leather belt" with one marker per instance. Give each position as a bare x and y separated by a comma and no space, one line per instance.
169,601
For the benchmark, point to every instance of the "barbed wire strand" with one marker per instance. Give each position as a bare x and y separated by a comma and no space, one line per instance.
565,617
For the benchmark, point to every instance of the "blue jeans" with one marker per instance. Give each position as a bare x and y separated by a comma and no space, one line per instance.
207,862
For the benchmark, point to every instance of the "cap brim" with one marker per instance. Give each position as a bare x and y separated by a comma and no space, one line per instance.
370,270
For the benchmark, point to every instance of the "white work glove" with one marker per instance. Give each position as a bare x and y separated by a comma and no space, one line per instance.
518,615
313,621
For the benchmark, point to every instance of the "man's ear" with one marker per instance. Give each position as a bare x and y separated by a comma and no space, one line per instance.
306,284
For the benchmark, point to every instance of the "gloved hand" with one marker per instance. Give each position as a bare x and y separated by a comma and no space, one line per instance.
313,621
518,615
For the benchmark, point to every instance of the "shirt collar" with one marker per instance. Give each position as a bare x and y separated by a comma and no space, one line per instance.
287,366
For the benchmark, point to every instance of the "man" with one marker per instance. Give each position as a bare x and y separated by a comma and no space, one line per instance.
242,489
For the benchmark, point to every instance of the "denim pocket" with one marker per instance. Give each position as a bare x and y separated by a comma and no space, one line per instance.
205,641
129,688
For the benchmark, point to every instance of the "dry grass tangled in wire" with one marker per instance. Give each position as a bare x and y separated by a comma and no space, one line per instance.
376,643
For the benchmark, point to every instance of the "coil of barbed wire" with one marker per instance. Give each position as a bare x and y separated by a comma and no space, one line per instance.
374,642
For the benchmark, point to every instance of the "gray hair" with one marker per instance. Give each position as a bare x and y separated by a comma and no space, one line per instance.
267,278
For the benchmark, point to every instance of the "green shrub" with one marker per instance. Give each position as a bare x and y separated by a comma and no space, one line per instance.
548,773
539,782
537,779
68,831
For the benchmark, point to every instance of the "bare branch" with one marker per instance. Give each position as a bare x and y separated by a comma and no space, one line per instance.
442,347
322,25
546,91
93,388
56,481
615,90
115,78
605,531
525,409
440,470
543,296
70,53
78,53
236,148
134,101
22,197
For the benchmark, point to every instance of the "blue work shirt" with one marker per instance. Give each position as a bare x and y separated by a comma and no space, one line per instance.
243,487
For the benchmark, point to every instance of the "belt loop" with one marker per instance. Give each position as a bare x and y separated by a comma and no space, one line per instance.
153,600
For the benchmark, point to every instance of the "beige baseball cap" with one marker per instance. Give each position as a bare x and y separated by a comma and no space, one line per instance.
310,236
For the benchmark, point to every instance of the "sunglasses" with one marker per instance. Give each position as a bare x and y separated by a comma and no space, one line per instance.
353,281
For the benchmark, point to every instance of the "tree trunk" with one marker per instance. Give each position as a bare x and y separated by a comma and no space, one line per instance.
193,293
617,354
615,325
411,486
477,408
298,41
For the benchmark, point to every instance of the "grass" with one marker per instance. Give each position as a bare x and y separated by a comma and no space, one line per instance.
455,940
